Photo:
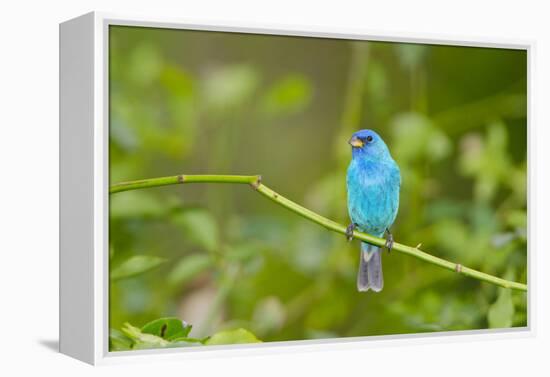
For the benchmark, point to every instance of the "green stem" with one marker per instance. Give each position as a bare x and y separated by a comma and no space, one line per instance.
255,182
178,179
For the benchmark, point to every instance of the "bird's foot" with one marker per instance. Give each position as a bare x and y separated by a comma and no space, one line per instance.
389,240
349,231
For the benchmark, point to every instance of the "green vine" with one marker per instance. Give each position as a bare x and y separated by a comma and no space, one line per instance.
256,183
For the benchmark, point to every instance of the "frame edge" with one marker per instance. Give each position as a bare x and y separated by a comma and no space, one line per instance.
76,195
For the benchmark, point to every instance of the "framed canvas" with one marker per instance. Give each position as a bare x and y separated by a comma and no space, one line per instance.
229,188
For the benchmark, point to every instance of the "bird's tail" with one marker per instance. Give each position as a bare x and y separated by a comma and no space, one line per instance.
370,269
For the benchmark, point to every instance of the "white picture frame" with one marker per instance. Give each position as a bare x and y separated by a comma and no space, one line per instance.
84,191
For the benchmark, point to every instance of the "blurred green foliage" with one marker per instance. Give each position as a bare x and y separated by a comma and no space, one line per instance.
221,258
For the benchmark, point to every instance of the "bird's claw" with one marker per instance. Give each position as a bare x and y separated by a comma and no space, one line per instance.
349,231
389,241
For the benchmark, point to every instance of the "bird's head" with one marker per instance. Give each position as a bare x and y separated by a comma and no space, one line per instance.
368,144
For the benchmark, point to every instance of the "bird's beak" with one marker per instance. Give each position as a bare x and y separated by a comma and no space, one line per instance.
355,142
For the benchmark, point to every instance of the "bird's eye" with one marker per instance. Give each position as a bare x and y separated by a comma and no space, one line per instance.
369,139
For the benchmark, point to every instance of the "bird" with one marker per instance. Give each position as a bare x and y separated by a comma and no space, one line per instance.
373,183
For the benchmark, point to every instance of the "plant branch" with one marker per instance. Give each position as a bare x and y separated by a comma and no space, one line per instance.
256,182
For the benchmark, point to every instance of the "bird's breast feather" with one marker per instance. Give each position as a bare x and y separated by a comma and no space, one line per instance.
373,195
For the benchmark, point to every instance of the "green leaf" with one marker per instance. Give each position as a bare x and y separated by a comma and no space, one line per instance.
199,226
143,340
236,336
189,267
171,332
135,265
118,341
167,328
501,313
289,95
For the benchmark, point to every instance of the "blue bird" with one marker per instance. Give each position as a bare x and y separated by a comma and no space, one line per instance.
373,183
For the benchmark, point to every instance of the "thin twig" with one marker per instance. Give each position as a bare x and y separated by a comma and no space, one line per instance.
256,183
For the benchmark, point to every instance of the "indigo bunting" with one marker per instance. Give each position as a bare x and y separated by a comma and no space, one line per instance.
373,183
